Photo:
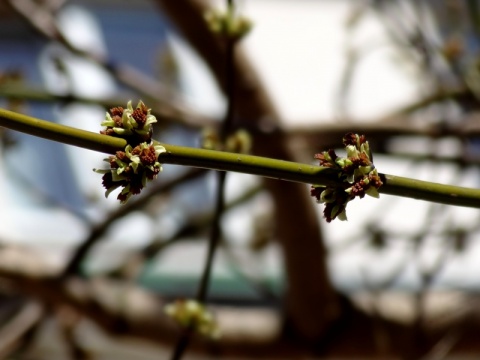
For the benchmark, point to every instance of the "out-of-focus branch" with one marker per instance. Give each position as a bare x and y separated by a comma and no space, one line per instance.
163,109
123,309
18,326
193,225
42,20
96,232
311,302
459,94
326,135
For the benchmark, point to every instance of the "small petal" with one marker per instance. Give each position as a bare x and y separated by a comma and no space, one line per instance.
365,148
117,175
365,170
352,151
121,131
372,191
342,216
108,121
343,162
129,106
101,171
127,121
159,149
110,189
327,195
150,120
335,211
351,178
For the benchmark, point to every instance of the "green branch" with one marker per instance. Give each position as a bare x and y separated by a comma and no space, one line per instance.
255,165
60,133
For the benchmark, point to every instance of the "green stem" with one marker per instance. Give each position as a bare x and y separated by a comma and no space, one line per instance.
430,191
248,164
60,133
255,165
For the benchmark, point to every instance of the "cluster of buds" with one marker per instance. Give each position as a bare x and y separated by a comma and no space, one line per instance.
357,177
228,24
135,125
132,168
191,314
238,142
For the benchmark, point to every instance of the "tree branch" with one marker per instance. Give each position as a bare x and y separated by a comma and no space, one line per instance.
248,164
166,111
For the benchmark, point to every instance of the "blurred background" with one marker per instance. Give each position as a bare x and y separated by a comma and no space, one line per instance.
82,277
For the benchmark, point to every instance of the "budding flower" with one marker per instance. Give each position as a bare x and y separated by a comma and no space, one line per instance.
358,177
192,314
132,124
132,168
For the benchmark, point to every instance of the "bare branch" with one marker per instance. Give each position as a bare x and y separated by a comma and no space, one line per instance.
19,325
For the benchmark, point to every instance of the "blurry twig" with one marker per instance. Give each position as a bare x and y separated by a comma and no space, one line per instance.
192,226
162,108
44,22
73,266
216,232
260,286
128,311
68,319
456,94
444,346
18,326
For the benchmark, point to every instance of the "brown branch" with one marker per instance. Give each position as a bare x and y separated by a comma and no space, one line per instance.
311,302
171,104
126,311
163,109
18,326
96,232
122,309
322,135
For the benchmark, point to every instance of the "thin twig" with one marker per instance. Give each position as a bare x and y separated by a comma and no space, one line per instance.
215,234
43,21
96,232
220,196
166,111
193,225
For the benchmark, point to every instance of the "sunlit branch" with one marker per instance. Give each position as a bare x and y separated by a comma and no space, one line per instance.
255,165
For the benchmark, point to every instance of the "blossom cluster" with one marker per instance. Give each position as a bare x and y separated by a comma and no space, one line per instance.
192,314
357,177
228,23
131,124
133,167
